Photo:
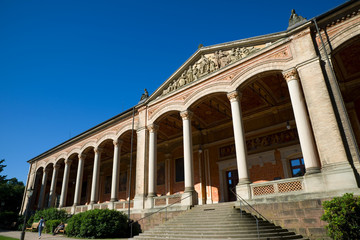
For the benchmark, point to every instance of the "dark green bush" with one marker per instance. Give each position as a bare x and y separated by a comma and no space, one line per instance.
51,224
343,216
98,224
51,214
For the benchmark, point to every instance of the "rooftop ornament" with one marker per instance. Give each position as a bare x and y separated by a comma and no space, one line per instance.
295,20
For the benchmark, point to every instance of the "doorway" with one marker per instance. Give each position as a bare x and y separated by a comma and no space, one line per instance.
232,179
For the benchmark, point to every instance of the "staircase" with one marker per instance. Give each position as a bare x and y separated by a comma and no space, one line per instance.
217,221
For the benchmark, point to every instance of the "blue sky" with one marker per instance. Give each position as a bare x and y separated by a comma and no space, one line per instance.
66,66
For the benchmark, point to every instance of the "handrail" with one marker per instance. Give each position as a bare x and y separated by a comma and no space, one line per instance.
243,200
133,222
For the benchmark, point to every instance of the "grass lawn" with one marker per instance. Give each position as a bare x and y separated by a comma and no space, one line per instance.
7,238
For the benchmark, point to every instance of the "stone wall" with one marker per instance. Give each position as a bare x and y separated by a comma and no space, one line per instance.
155,219
302,217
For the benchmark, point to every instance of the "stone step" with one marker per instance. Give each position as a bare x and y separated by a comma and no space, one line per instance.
215,228
212,225
216,232
167,237
218,221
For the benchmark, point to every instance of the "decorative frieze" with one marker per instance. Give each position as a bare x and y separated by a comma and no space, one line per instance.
207,64
262,142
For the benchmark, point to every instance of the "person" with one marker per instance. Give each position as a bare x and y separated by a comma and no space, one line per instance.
41,225
61,226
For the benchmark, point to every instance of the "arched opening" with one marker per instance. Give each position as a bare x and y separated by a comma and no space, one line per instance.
169,170
346,61
72,180
124,171
106,165
86,182
49,169
37,188
58,182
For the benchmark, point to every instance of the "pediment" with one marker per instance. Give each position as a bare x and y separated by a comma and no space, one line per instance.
208,60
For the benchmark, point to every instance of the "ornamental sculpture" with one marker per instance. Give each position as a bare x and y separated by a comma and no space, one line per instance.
207,64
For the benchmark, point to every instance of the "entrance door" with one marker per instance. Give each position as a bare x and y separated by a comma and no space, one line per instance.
232,180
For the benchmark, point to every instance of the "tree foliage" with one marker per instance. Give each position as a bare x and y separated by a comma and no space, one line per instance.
11,193
343,216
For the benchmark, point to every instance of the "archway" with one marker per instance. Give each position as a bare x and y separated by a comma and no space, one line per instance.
346,61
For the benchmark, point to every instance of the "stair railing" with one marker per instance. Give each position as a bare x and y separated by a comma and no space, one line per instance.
246,204
166,207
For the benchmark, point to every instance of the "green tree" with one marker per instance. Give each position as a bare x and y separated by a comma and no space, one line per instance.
343,216
11,193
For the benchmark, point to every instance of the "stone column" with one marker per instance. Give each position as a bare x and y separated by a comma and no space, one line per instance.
79,178
188,151
152,159
141,168
190,197
43,188
306,138
95,178
65,181
239,135
116,170
53,185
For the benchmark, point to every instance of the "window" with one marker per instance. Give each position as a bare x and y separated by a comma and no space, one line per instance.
179,170
297,167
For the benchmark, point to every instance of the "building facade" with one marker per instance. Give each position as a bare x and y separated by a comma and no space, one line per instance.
275,117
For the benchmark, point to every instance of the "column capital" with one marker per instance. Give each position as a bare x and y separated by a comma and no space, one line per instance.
234,96
153,127
186,115
118,142
68,161
290,75
56,166
98,150
168,156
46,170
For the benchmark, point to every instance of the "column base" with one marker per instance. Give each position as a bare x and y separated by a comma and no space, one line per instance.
339,176
189,198
243,181
151,195
189,189
149,202
243,190
139,202
312,170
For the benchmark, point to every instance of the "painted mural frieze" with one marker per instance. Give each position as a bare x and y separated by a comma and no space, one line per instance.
253,144
207,64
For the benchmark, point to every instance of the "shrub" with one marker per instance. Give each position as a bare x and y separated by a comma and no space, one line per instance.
98,223
51,214
343,216
51,225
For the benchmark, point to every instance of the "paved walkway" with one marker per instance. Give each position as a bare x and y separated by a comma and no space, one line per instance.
35,236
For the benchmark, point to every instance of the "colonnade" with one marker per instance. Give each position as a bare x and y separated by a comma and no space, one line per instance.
306,139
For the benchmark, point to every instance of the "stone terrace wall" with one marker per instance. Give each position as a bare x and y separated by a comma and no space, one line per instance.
154,220
302,217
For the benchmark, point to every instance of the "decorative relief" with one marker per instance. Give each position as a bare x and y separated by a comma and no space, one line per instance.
262,142
186,115
207,64
291,75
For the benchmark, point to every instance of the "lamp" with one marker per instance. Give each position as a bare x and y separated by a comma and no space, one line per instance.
29,194
288,125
